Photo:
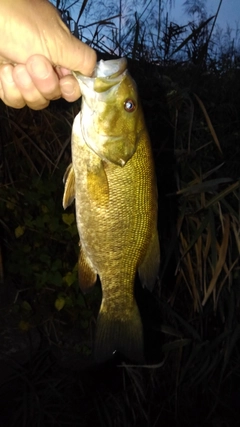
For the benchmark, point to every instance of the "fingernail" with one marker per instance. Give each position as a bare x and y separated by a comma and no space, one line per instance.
39,69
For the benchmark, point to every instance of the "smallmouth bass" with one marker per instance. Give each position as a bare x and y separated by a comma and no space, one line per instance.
113,182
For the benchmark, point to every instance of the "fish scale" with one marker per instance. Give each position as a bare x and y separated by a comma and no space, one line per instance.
115,193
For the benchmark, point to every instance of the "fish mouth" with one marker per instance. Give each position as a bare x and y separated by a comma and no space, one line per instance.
112,68
106,74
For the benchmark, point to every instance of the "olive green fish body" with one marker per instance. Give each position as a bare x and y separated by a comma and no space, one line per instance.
116,210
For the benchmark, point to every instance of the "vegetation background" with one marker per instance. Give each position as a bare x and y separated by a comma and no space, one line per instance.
189,82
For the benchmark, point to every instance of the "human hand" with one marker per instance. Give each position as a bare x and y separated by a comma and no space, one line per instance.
37,52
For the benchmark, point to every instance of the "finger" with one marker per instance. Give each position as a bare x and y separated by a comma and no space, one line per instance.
43,76
69,88
33,98
9,92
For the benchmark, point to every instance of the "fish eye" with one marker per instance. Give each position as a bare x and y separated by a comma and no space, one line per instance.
129,105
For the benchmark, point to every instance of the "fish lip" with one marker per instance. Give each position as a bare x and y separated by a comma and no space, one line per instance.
109,73
109,69
116,66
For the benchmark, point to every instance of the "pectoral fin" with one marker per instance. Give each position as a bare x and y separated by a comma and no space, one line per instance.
69,190
97,184
148,270
87,275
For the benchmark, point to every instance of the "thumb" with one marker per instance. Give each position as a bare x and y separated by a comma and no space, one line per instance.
75,55
63,49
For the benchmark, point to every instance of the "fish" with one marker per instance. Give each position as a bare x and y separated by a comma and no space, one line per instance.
112,180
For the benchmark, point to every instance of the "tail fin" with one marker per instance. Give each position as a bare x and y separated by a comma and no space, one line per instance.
119,333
